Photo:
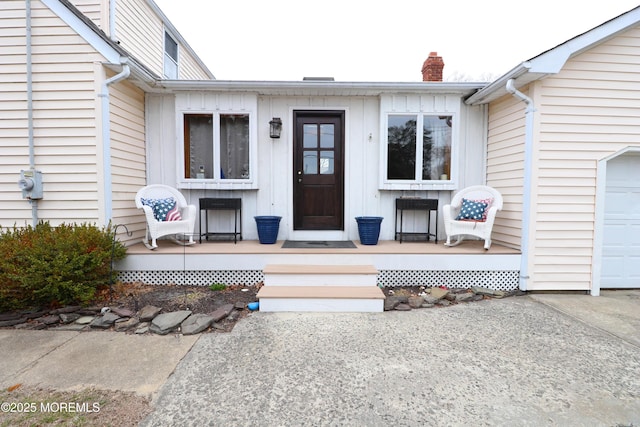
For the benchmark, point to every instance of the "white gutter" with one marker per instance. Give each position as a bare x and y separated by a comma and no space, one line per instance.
526,193
106,136
321,87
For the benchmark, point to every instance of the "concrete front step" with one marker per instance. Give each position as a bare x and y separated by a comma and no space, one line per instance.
320,275
276,298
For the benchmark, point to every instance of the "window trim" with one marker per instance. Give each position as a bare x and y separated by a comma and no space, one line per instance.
418,184
217,182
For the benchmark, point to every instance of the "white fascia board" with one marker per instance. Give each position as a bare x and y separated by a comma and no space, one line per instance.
335,88
98,43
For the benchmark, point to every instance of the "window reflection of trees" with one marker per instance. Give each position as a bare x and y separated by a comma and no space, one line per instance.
402,146
401,158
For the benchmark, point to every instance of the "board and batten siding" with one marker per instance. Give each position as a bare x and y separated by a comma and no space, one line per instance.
64,99
128,156
141,32
467,163
274,195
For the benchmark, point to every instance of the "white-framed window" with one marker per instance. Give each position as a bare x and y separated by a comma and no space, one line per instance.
170,57
219,147
418,149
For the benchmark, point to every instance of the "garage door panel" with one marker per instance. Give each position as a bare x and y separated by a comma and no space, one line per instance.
612,267
621,237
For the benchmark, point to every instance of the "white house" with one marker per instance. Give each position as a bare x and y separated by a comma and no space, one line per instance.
109,97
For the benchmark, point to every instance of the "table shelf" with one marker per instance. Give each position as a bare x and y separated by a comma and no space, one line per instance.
217,204
406,204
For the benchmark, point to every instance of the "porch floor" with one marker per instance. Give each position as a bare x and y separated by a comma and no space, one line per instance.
424,263
471,247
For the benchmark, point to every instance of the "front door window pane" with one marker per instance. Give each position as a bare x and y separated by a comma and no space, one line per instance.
234,146
401,150
310,163
327,135
326,162
310,138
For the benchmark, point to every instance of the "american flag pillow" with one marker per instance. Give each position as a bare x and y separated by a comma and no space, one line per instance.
488,202
164,209
472,210
174,214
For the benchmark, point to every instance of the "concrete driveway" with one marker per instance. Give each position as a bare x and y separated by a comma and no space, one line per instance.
565,360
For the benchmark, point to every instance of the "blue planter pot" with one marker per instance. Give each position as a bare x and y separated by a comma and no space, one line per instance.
268,227
369,229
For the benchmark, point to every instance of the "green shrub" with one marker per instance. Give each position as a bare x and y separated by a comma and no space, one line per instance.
45,266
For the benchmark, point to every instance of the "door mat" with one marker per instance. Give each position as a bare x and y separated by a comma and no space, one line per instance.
315,244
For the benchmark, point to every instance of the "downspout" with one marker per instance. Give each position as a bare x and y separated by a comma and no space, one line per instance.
526,193
29,63
106,135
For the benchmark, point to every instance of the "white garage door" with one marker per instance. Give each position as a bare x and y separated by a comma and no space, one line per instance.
621,242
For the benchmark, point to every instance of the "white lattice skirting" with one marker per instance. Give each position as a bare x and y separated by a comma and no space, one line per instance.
497,280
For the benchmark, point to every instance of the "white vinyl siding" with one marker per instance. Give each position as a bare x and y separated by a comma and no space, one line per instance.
188,68
93,10
505,166
13,113
141,32
128,156
586,112
64,118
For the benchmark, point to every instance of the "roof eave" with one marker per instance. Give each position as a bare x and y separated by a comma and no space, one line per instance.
521,76
320,87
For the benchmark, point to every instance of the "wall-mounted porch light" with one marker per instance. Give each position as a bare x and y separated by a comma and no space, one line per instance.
275,127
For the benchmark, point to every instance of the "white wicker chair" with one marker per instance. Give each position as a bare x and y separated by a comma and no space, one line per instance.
155,228
463,228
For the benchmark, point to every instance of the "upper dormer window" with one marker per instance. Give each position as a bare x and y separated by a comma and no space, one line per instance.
170,57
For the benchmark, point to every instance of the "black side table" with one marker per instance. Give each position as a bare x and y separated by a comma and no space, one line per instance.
216,204
427,205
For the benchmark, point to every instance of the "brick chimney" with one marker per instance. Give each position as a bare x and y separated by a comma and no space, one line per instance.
432,68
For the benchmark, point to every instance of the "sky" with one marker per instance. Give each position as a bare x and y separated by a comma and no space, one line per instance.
375,40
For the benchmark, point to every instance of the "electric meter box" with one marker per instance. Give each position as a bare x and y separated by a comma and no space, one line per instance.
30,183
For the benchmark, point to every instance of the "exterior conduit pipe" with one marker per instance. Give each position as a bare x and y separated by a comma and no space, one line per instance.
106,135
526,193
112,20
29,64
